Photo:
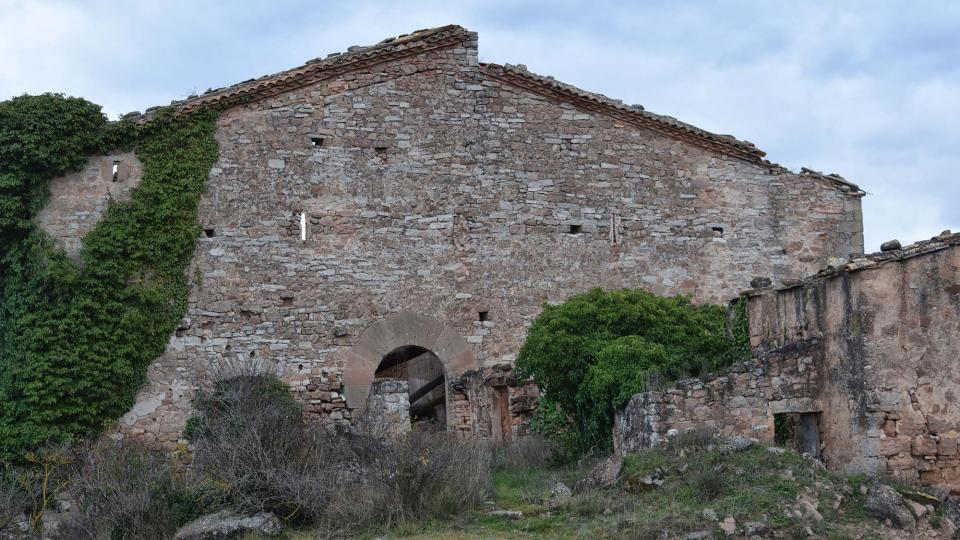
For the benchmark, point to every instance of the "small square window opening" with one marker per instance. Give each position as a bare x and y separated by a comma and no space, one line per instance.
575,229
483,316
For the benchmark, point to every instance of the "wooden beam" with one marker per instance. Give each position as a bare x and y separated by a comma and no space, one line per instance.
426,389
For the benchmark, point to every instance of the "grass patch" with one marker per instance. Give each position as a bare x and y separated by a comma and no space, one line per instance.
753,485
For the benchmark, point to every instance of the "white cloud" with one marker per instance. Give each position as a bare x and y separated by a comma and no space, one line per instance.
869,91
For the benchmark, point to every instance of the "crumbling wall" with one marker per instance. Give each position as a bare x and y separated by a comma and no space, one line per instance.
388,406
78,200
742,401
493,403
890,328
433,184
877,338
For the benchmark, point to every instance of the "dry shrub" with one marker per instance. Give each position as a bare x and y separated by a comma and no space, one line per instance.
708,483
252,441
411,477
692,440
13,499
532,450
121,490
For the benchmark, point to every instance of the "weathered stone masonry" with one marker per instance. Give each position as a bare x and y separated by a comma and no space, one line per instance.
458,198
867,349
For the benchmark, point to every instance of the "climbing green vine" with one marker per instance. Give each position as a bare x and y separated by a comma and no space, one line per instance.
76,337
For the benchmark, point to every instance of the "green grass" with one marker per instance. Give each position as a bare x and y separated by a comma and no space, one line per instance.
751,486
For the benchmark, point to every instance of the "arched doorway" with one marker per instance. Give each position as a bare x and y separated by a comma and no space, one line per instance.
426,384
396,337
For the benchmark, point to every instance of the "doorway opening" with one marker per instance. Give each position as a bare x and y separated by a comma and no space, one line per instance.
501,425
798,431
426,383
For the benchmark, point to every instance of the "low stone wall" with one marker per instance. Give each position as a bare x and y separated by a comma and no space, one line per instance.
743,401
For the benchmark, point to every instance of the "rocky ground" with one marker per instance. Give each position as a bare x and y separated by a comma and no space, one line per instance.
730,490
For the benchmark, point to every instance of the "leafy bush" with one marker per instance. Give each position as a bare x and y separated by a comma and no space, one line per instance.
594,351
76,339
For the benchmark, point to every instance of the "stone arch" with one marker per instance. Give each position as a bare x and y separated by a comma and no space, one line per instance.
392,332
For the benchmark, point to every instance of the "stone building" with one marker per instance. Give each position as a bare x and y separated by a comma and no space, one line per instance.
856,365
405,210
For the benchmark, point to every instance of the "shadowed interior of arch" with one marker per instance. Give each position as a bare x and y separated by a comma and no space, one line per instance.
426,381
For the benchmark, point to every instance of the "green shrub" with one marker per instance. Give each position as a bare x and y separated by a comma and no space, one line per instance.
594,351
76,338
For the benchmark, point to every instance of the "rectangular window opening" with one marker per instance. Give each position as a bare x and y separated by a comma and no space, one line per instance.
209,232
380,150
316,141
717,231
483,316
576,229
116,171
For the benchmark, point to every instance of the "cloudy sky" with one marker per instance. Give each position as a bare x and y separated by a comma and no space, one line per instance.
869,90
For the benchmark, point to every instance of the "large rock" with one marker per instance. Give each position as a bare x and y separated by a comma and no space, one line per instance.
226,525
885,503
603,475
891,245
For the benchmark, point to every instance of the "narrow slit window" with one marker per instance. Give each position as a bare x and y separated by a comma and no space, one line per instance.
317,142
575,229
116,171
483,316
303,226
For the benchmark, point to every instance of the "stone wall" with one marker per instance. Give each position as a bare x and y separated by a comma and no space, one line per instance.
78,200
493,403
470,194
879,336
890,332
388,406
743,401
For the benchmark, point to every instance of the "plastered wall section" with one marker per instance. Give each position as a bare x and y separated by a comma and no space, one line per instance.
890,332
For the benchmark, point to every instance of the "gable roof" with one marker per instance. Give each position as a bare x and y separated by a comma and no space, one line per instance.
631,114
334,64
357,57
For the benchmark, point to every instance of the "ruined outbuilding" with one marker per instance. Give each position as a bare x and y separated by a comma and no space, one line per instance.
403,211
856,365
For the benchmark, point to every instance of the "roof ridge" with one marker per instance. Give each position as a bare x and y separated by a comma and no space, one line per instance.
319,68
518,75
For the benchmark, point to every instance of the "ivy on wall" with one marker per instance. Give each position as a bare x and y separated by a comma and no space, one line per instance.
76,338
